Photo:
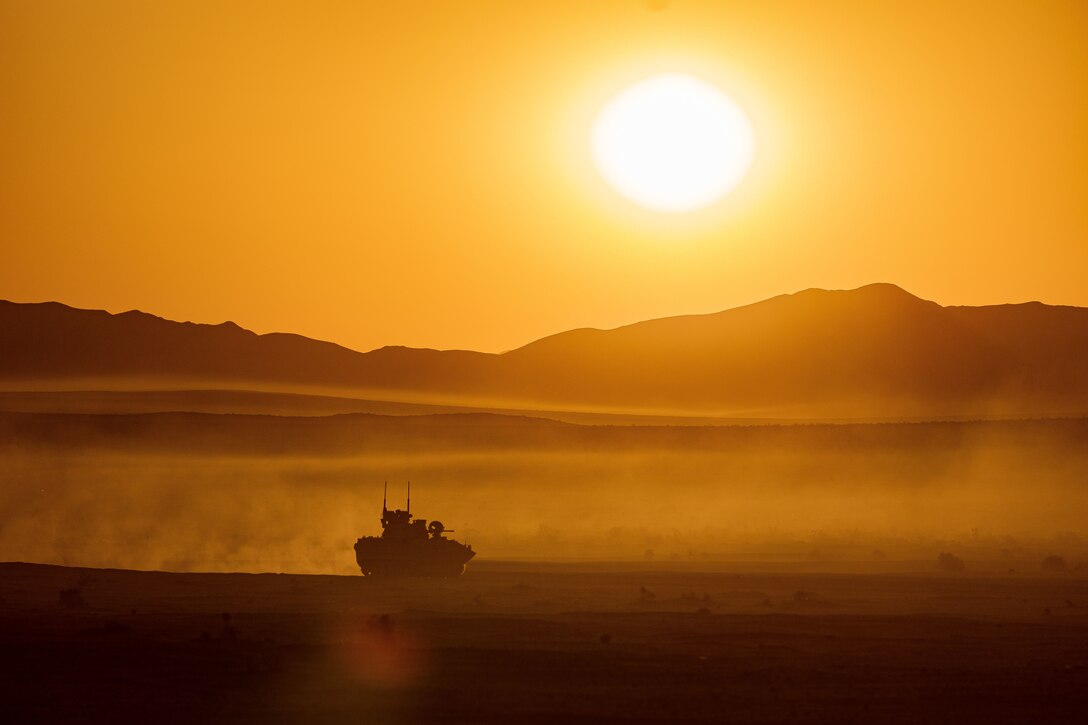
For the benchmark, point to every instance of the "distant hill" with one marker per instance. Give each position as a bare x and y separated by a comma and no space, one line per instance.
876,351
356,434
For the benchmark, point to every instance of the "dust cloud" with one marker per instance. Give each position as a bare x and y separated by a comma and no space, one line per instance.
258,493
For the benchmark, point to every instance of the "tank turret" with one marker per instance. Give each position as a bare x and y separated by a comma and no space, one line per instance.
411,547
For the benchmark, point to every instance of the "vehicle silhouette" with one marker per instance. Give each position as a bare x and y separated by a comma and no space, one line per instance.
411,547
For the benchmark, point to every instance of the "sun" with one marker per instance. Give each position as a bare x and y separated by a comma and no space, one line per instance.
672,143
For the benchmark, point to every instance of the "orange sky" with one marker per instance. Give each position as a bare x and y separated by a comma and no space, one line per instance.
418,172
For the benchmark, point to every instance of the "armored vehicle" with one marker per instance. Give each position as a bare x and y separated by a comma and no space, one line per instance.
411,547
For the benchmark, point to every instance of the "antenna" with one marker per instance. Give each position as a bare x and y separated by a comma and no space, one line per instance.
385,492
409,497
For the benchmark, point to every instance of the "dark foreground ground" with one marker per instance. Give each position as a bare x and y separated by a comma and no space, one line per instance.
534,643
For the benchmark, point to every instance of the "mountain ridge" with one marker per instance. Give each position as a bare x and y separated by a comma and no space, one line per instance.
876,349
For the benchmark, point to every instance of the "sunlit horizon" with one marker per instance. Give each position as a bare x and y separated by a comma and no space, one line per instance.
315,175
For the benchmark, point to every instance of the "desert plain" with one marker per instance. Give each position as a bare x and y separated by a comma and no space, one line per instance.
525,642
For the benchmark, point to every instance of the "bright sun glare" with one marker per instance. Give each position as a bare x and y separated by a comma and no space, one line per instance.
672,143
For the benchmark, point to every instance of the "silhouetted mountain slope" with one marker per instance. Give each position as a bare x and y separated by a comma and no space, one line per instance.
876,350
51,341
873,348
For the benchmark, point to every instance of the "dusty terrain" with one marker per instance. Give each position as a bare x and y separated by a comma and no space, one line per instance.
516,642
203,492
771,573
